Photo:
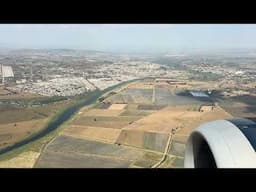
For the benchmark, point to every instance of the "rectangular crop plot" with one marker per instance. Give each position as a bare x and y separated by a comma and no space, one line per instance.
107,122
130,96
148,159
127,98
145,140
151,107
167,97
69,152
94,133
118,98
155,141
102,105
177,149
102,112
117,106
69,160
135,113
163,96
69,144
178,163
139,95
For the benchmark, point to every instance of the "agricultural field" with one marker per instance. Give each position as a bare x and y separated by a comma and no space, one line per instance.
132,96
175,97
147,160
117,106
23,160
102,112
69,152
239,106
141,85
151,107
13,132
151,132
157,95
130,128
173,162
116,122
18,123
142,139
136,112
12,114
108,135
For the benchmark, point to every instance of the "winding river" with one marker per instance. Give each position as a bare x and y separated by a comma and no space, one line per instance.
64,116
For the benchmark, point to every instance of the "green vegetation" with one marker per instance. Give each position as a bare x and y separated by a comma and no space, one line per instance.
11,114
67,113
203,76
28,102
170,62
106,96
35,146
47,100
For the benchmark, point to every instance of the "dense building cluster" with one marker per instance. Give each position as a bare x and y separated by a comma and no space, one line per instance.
69,73
72,72
58,87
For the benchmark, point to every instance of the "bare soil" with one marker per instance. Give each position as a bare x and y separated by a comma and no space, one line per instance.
93,133
24,160
13,132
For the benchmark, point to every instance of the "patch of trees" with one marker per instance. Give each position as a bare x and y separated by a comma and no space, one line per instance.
204,76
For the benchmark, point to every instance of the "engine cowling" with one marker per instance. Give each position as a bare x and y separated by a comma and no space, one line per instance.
222,144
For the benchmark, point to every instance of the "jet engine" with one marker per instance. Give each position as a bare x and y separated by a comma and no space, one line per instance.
222,144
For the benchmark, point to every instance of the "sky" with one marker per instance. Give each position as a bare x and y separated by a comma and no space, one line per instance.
128,37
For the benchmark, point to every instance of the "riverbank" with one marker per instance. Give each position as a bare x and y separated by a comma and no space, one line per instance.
40,139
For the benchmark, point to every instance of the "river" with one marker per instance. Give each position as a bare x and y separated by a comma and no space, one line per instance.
64,116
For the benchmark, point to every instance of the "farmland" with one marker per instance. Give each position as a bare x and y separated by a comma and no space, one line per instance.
18,123
130,128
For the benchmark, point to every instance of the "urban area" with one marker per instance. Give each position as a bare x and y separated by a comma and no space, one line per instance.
77,108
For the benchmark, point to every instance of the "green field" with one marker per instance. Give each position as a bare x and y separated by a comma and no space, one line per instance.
12,114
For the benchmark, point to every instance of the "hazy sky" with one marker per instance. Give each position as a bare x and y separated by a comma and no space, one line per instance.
128,37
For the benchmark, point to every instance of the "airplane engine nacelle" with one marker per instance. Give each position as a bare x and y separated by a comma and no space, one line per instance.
222,144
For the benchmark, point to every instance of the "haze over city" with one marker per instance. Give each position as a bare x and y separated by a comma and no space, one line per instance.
128,37
124,95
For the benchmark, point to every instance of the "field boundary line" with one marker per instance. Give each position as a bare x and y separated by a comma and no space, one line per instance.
167,147
42,149
170,138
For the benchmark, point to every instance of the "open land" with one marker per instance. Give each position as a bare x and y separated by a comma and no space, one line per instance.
131,133
22,116
131,126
